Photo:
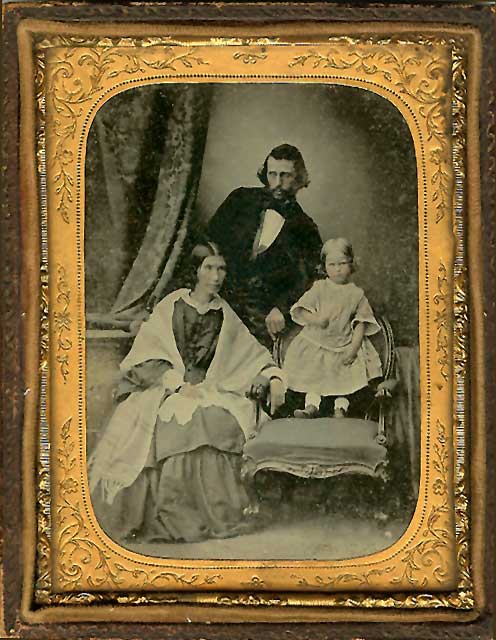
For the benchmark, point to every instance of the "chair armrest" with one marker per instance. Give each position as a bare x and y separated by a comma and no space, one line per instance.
259,389
258,392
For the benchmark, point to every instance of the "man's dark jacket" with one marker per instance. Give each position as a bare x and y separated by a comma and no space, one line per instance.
276,277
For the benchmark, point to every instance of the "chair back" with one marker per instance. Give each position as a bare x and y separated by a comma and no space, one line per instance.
383,342
282,342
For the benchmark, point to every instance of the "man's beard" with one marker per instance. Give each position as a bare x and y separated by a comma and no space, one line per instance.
281,194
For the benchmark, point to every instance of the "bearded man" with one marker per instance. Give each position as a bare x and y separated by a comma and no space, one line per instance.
272,247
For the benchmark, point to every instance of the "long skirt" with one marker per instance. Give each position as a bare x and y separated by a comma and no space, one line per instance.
188,495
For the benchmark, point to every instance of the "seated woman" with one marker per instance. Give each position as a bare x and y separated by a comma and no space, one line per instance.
167,467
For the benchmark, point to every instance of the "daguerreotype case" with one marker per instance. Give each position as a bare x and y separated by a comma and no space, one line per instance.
248,320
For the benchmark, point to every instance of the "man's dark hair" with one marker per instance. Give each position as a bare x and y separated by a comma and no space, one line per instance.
286,152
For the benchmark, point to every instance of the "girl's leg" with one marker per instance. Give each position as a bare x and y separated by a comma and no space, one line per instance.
313,400
341,406
312,404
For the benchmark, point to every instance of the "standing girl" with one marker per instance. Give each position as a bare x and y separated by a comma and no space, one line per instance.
332,355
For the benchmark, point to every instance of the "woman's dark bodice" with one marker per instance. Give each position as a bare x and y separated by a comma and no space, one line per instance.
196,337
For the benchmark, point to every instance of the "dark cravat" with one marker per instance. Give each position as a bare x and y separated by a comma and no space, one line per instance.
287,208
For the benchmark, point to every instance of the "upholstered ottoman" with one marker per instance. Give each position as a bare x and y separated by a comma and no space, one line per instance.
316,448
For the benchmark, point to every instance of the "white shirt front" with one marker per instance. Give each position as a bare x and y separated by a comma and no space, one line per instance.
271,226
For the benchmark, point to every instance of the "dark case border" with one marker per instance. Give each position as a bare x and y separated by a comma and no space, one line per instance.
480,15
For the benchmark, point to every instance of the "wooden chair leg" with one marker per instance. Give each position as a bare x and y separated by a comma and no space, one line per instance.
383,514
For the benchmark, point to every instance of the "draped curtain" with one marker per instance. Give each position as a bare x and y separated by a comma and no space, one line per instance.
404,421
144,161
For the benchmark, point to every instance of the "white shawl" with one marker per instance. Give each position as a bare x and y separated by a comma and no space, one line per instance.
123,449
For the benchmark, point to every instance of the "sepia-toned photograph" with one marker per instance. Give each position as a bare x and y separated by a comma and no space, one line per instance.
249,339
251,295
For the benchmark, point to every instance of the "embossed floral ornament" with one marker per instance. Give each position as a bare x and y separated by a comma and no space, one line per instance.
69,485
441,321
441,436
255,581
78,551
360,579
62,320
439,487
441,181
429,551
251,57
66,156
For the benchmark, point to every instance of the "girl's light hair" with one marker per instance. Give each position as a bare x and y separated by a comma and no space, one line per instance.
342,245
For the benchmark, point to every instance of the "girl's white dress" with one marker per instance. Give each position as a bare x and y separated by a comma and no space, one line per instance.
313,362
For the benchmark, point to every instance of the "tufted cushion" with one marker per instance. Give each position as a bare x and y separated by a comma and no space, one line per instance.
320,441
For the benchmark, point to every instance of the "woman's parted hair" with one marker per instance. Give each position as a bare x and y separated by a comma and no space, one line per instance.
203,250
286,152
200,251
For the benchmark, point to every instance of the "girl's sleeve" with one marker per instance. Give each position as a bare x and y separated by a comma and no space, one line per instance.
365,315
309,301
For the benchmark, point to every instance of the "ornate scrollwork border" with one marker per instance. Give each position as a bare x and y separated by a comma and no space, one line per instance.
442,319
251,57
62,320
431,99
435,536
461,322
432,110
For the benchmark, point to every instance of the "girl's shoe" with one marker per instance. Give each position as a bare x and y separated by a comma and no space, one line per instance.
309,411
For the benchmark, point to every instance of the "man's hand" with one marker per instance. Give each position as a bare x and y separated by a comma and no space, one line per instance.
277,395
348,356
385,388
275,323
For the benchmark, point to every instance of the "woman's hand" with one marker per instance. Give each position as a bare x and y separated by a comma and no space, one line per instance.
275,322
277,394
189,391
